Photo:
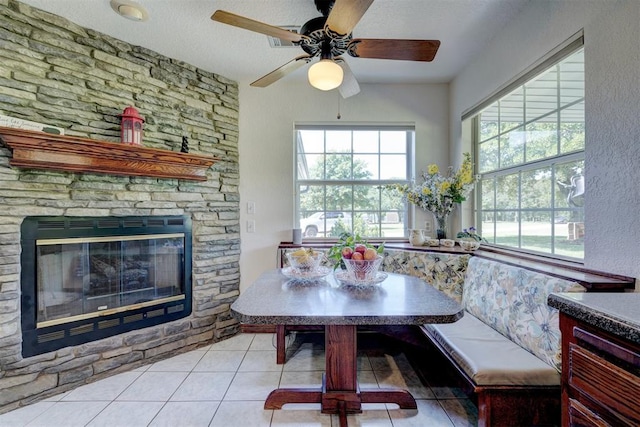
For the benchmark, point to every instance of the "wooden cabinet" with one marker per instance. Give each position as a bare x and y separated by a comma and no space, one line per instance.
600,376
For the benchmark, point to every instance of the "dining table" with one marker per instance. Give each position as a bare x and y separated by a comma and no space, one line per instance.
340,304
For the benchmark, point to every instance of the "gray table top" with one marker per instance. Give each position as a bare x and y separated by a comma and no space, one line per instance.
617,313
398,300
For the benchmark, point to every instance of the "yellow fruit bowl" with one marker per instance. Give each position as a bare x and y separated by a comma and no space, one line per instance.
305,260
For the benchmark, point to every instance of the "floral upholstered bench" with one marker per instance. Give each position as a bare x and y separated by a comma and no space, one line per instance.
507,345
443,271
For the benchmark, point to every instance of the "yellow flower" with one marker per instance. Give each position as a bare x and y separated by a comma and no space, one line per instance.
444,186
466,177
426,191
433,169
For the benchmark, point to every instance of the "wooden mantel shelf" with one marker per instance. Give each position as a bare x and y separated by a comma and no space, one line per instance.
39,150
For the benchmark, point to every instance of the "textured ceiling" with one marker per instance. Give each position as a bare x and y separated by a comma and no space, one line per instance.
182,29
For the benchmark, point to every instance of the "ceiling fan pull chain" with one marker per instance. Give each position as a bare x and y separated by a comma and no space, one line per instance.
338,116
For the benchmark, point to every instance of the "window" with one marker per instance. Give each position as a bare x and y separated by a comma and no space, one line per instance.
530,157
339,174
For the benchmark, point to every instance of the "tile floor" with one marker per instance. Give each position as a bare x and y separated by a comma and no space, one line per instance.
225,384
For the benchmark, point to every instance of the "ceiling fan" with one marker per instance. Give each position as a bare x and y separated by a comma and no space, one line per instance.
328,37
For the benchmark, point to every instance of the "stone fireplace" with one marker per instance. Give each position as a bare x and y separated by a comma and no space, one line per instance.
60,74
84,279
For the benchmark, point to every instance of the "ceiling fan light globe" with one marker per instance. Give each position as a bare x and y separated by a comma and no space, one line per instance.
129,9
325,75
130,12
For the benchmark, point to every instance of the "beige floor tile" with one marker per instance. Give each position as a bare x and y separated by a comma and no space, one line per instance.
260,360
185,414
106,389
252,385
252,414
363,362
142,368
153,387
127,414
300,418
429,413
22,416
200,386
443,393
301,379
220,361
305,360
238,342
404,380
263,342
462,412
390,362
367,380
69,414
368,418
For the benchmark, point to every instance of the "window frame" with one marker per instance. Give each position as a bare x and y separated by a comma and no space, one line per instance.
409,160
571,47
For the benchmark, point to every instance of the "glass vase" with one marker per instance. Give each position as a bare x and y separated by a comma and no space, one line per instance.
441,226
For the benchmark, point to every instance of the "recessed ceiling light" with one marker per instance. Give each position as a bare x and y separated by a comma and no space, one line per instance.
130,10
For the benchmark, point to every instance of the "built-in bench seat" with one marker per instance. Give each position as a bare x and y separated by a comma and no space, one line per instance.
488,358
507,345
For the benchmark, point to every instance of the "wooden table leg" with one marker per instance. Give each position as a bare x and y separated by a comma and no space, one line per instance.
341,374
281,344
340,393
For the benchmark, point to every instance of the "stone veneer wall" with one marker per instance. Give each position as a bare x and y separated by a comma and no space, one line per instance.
55,72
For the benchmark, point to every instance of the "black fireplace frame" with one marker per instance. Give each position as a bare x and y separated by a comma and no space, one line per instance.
50,338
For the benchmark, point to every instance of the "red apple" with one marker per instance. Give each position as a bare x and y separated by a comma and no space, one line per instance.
347,252
360,248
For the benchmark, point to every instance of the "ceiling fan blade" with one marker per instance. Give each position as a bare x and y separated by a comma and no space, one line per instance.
279,73
344,16
349,86
257,26
408,50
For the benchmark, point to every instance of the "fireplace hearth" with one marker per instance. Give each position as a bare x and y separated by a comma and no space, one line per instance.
87,278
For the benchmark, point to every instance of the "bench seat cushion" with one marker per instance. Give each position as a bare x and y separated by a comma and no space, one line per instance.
488,357
513,301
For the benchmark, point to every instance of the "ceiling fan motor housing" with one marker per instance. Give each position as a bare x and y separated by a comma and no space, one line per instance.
314,29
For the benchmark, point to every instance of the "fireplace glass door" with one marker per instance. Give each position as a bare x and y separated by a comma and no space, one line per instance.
81,278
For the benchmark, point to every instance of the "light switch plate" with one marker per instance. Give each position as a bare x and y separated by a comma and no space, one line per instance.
251,207
251,226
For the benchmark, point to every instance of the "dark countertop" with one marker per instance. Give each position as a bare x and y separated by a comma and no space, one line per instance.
398,300
616,313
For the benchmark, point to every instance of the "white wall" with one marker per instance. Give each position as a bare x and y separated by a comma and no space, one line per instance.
267,117
612,56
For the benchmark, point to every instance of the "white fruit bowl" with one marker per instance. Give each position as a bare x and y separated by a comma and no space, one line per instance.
309,261
363,270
